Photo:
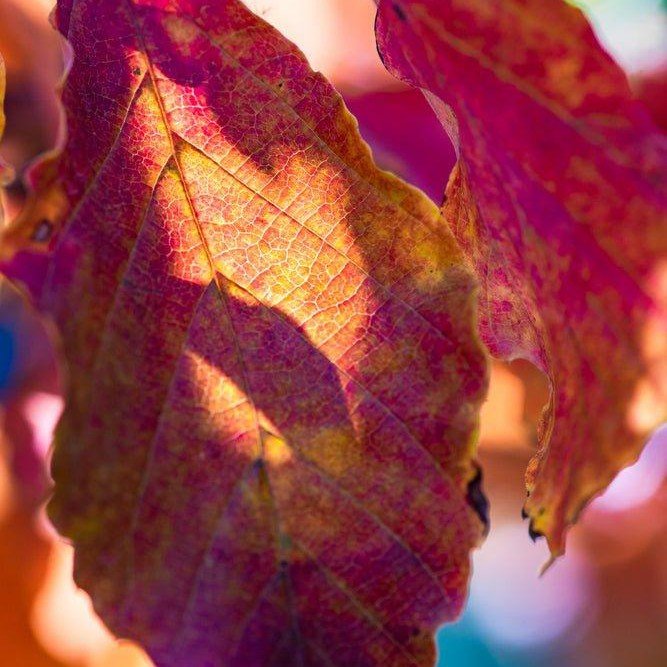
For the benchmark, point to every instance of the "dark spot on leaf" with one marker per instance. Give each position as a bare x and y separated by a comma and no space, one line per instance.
136,71
534,534
477,500
42,232
399,12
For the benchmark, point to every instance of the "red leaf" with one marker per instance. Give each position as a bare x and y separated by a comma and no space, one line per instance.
405,136
265,456
651,89
559,202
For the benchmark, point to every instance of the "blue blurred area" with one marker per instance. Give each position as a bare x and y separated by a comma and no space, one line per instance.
461,644
7,357
464,645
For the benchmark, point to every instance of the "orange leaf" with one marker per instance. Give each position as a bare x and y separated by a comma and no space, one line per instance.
274,376
5,171
559,202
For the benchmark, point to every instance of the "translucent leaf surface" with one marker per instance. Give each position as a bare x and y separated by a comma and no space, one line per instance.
559,203
274,375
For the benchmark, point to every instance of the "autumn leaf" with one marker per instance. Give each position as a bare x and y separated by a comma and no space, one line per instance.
35,62
2,97
559,201
31,51
5,171
274,376
651,89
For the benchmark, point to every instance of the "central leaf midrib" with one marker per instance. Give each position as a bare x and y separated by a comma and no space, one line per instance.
219,279
224,300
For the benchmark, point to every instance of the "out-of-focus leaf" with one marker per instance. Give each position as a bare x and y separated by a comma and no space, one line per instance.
559,202
24,554
406,137
2,97
29,371
35,62
32,53
274,375
5,171
651,88
23,551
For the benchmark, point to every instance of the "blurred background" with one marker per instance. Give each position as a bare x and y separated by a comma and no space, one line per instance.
603,605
